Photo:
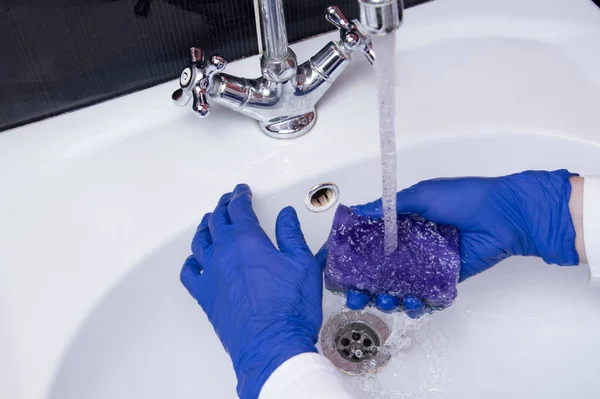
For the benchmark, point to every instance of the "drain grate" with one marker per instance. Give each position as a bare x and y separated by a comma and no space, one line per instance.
353,342
357,341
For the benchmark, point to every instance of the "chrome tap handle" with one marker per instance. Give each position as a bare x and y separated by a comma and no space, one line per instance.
195,81
353,38
337,17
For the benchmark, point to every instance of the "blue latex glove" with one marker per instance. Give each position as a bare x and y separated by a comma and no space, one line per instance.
264,302
523,214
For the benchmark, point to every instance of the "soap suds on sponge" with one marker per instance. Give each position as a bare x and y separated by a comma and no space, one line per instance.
425,265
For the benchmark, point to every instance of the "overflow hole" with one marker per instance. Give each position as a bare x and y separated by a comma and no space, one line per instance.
322,197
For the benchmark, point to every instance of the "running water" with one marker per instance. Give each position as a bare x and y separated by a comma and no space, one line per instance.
385,74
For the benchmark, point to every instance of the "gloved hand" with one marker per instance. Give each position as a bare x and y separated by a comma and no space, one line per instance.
264,302
523,214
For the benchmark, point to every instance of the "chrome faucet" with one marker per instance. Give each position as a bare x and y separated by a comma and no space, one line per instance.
283,99
381,17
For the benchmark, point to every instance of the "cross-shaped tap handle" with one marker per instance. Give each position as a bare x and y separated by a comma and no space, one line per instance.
195,81
337,17
353,38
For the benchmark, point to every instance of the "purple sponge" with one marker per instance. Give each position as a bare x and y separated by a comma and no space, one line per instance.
425,265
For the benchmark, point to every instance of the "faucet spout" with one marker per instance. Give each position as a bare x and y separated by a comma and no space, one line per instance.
278,62
381,17
274,29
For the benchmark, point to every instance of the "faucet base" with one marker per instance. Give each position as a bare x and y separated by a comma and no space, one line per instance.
289,127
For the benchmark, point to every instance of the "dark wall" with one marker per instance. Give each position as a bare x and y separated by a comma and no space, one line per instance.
59,55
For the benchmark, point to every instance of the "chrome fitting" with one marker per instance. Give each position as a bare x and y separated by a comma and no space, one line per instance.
380,17
279,71
284,97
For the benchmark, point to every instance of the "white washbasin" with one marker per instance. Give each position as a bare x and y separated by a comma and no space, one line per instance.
98,208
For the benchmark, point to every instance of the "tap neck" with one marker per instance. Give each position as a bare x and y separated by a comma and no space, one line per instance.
273,29
278,62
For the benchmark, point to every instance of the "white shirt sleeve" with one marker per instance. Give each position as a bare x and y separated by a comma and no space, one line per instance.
591,226
308,375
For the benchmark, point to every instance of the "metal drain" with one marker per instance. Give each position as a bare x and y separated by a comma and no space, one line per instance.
353,342
357,341
322,197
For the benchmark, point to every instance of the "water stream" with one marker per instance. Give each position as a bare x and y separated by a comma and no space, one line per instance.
385,73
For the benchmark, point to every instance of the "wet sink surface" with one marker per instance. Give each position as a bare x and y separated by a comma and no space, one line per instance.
522,330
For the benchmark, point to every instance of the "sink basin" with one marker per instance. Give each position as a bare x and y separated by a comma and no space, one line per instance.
99,207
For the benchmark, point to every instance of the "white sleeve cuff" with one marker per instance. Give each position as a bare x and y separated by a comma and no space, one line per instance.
591,226
308,375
